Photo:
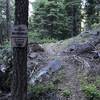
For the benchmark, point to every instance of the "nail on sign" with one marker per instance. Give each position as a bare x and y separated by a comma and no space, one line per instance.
19,36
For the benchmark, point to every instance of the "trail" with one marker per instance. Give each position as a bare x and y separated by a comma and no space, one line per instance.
72,81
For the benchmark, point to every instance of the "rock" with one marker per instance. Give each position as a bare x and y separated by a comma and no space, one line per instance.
86,47
45,72
54,65
33,55
96,54
2,67
86,33
35,47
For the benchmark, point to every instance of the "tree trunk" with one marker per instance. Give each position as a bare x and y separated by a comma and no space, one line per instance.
19,84
1,40
7,19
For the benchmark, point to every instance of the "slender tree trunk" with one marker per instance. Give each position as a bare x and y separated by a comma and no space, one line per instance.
1,40
19,84
97,15
73,21
7,18
76,24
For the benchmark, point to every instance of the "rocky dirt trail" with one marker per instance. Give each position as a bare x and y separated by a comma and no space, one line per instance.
75,65
71,79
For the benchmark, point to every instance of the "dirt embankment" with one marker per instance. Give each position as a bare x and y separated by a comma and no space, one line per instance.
80,61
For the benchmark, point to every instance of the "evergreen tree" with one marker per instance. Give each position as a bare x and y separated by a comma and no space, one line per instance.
92,15
57,19
97,8
49,19
73,12
6,17
2,20
54,23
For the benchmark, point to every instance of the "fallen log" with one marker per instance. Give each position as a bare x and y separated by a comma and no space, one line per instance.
86,47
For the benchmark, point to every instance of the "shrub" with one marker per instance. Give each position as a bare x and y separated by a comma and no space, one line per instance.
91,92
35,37
66,93
41,89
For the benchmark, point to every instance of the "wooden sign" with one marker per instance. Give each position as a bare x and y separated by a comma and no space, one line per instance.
19,36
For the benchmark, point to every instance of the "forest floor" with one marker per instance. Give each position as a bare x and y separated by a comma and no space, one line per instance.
79,75
77,69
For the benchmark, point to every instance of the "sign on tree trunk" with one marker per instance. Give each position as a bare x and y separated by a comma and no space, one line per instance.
19,36
19,45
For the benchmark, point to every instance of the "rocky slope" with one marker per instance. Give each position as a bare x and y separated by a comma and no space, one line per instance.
64,69
80,67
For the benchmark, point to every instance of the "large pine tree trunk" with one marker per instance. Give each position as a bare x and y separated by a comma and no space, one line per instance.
19,84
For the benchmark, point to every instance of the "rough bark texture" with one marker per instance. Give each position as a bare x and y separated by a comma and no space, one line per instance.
7,18
1,37
19,86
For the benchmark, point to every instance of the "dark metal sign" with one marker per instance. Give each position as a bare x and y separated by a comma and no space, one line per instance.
19,36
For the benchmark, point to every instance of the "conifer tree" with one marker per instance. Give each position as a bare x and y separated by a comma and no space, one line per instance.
58,19
73,12
49,19
92,15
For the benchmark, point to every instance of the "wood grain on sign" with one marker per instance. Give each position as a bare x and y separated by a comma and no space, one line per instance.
19,36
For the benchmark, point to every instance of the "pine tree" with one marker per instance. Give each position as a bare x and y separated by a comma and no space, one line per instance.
2,20
6,17
49,19
92,15
54,21
73,12
58,19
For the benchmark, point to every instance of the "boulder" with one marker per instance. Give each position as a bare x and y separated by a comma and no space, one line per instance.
35,47
45,72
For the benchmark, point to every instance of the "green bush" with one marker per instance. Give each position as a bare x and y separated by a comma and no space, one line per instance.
91,92
48,40
41,89
35,37
66,93
6,44
98,82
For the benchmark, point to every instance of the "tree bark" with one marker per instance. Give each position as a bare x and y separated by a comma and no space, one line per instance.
19,84
7,19
1,40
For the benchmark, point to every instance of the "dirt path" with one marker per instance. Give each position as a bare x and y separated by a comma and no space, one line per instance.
72,81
